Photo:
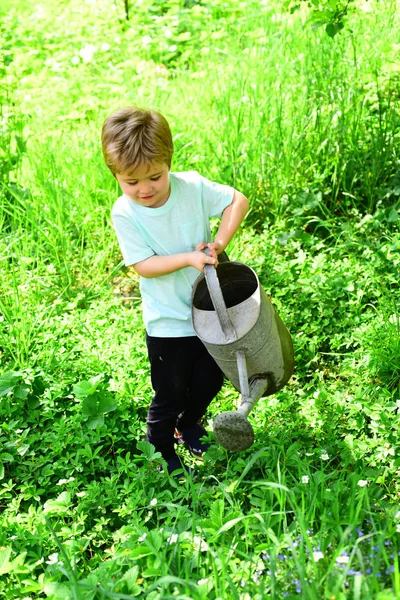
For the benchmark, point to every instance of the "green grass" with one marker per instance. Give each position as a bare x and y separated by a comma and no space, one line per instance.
308,127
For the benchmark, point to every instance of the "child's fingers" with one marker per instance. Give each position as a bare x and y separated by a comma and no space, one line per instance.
201,245
214,248
211,260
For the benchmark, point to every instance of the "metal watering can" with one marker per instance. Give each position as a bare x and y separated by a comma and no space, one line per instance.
242,331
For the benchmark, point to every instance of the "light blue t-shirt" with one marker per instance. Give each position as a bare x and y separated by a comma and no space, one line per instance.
177,226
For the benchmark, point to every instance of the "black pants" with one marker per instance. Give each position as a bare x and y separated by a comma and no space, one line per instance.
185,379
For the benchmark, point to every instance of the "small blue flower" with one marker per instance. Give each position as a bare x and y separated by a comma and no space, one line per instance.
390,570
265,556
353,572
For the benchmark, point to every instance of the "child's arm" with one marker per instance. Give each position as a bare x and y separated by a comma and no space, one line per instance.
232,217
162,265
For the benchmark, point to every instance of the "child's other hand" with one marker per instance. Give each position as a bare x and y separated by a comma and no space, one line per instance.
214,247
198,259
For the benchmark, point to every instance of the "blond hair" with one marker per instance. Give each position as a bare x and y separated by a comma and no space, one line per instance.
132,137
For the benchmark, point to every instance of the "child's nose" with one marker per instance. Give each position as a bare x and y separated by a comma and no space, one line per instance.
146,187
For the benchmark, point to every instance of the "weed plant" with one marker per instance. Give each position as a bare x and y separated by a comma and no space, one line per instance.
308,127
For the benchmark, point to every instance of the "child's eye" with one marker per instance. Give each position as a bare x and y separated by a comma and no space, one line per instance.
131,182
155,178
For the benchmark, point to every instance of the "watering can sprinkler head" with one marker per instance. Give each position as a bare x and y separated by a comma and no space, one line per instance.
232,429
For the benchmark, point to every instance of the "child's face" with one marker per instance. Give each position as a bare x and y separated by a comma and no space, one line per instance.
147,185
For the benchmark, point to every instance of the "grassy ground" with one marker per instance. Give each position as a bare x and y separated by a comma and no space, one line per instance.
308,128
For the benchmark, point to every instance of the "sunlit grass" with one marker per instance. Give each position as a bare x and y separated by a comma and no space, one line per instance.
307,127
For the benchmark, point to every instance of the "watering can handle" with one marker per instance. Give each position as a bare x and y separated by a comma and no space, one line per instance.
218,301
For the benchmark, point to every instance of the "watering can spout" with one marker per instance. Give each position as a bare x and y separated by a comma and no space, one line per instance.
240,328
258,390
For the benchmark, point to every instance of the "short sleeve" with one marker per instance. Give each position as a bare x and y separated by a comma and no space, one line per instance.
216,196
134,247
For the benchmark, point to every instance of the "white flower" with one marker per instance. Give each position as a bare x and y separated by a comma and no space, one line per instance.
86,53
200,544
142,537
146,39
398,528
318,556
153,502
362,482
104,47
52,559
201,581
75,60
397,515
305,479
62,481
325,456
309,453
343,560
172,538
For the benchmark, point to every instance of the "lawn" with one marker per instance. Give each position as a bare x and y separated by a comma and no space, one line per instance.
308,127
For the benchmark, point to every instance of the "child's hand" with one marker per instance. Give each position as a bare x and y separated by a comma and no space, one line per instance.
198,259
215,248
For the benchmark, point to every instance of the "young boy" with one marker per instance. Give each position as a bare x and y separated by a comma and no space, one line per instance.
162,225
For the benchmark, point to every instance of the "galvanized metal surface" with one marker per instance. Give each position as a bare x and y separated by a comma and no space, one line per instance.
260,333
233,431
236,321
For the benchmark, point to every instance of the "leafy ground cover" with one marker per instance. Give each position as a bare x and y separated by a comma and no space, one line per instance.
308,128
